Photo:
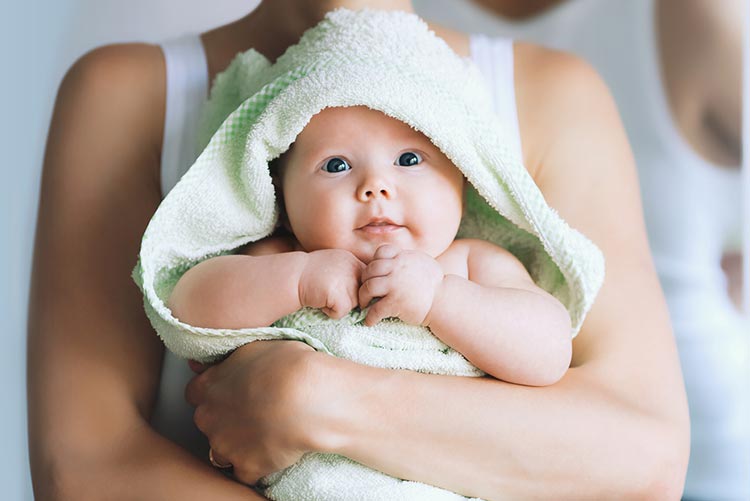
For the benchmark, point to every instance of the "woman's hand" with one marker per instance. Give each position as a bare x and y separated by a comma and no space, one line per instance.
258,407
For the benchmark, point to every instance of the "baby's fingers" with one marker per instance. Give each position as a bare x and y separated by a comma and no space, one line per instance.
372,288
386,251
338,306
335,313
380,310
377,268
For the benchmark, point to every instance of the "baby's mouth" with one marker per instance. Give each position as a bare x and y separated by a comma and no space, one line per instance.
379,226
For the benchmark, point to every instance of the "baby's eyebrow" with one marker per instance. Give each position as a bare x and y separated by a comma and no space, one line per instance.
319,153
418,137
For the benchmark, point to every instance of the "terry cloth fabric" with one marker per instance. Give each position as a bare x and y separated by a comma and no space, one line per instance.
391,62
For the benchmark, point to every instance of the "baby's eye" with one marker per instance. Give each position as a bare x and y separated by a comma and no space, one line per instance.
408,159
336,164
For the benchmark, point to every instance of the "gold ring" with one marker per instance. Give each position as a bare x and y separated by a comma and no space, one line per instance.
216,463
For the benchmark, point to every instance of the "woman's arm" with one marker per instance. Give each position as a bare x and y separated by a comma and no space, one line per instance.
93,359
616,425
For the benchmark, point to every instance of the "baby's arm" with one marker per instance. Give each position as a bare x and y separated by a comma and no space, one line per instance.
500,320
266,281
253,288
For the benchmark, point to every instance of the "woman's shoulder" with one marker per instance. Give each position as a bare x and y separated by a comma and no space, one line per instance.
121,87
123,65
106,131
555,91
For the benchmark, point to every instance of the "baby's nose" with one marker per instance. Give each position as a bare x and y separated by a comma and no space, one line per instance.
374,189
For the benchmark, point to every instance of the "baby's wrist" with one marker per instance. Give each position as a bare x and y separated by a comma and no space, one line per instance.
437,300
302,262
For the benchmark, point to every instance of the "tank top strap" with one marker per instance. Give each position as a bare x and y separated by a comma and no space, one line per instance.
186,91
494,58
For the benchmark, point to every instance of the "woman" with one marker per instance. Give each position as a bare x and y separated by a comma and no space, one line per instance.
660,59
618,418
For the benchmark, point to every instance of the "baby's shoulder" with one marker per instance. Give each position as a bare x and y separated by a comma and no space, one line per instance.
491,265
275,244
476,249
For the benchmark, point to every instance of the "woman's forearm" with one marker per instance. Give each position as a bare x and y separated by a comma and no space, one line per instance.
140,464
517,335
567,441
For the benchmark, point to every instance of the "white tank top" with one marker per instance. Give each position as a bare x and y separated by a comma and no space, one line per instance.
187,91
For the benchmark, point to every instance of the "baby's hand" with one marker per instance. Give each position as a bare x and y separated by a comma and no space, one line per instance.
330,281
405,281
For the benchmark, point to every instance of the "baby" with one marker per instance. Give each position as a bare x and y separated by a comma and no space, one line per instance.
370,213
366,264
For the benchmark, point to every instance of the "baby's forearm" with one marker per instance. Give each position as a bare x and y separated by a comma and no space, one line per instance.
516,335
239,291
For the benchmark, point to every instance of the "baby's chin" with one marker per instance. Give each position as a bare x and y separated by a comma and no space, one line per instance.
365,249
366,255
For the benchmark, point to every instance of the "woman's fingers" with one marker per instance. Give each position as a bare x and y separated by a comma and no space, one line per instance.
247,477
254,406
197,367
194,390
217,460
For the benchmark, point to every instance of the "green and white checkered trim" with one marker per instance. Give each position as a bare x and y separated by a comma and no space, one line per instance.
239,123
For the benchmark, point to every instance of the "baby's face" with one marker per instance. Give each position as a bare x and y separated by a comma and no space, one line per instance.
355,179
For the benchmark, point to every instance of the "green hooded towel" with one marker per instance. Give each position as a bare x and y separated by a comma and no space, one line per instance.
387,61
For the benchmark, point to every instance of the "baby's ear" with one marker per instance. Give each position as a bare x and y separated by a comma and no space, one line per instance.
283,219
463,195
276,169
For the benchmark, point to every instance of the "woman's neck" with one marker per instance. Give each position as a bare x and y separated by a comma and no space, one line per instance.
276,24
293,17
314,10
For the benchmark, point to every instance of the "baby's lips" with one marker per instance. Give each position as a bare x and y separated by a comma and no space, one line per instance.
379,220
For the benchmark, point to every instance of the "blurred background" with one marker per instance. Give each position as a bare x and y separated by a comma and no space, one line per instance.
40,39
